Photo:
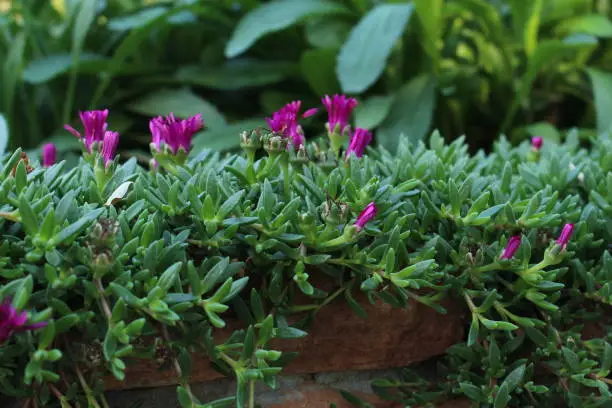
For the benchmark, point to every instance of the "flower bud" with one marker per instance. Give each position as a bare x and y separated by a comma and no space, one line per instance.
275,144
513,245
251,139
565,236
368,214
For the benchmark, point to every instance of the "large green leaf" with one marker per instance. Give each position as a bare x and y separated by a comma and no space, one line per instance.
371,112
318,67
83,21
47,68
146,15
363,56
602,88
227,137
325,32
4,134
554,10
411,112
136,20
129,45
593,24
181,102
237,74
12,66
275,16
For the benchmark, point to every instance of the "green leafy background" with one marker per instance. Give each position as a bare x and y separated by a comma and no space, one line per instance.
474,67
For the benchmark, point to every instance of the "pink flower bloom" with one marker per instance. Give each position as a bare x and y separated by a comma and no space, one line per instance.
12,321
109,146
513,245
173,132
366,215
360,139
49,154
565,236
536,143
285,122
94,125
339,108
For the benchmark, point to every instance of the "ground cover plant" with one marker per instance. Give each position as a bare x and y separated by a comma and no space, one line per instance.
110,262
473,67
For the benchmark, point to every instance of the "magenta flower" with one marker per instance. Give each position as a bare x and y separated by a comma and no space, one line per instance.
109,146
536,143
360,139
285,122
173,132
339,108
12,321
49,154
565,236
513,245
366,215
94,125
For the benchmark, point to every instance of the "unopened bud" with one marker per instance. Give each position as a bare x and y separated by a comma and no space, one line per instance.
276,144
301,155
251,139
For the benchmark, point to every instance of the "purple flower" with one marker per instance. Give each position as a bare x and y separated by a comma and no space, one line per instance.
12,321
94,125
513,245
360,139
565,236
536,143
339,108
366,215
173,132
49,154
109,146
285,122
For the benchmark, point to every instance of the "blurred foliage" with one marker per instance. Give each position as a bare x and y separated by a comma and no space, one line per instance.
462,66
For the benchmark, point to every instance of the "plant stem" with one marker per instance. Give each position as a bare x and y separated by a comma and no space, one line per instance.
105,306
104,402
91,401
470,303
252,394
228,360
331,297
175,363
537,267
60,397
286,179
486,268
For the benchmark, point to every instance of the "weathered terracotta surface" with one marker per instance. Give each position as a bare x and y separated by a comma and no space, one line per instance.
338,341
314,396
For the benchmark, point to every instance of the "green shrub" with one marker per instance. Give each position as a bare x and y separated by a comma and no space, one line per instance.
472,67
123,263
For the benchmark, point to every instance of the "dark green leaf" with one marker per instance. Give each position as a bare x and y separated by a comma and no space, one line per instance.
371,112
411,112
363,56
318,67
182,102
602,88
274,16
